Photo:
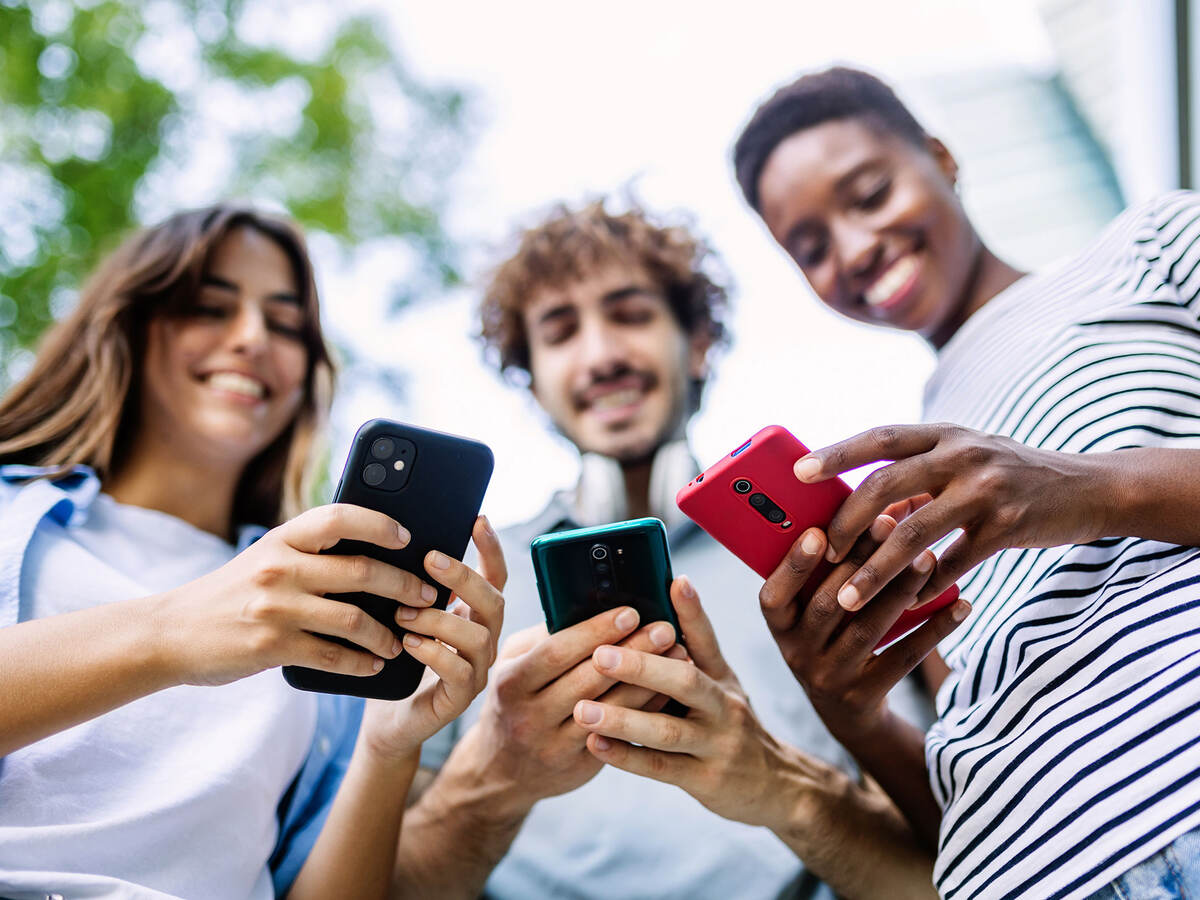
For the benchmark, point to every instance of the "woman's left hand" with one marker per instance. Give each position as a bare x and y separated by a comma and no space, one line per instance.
1001,493
458,647
719,753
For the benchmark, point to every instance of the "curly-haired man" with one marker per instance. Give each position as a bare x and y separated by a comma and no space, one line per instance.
611,320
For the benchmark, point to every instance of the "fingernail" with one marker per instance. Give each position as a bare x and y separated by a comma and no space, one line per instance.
428,593
487,526
412,641
405,537
811,544
882,527
589,713
377,665
607,657
685,585
439,560
924,563
397,648
662,635
406,613
831,554
848,597
627,619
961,608
603,744
809,467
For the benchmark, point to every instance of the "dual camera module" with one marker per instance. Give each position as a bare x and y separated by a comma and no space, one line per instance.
765,506
391,463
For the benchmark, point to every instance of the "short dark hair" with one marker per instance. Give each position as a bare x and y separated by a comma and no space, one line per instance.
836,93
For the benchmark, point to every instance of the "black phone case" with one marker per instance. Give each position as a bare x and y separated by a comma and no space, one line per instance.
437,503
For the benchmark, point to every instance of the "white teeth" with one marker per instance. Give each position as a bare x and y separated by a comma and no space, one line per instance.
617,398
237,384
889,282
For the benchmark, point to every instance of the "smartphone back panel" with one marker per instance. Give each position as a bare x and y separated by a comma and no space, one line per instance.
724,501
432,484
585,571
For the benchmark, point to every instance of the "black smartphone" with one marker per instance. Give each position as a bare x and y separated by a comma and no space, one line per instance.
432,484
584,571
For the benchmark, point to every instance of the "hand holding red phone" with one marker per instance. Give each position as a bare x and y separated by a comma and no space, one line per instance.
1000,492
830,651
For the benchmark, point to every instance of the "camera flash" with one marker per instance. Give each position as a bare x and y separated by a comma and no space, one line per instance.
398,465
787,524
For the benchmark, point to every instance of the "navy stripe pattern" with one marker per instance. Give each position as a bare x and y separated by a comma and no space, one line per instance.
1067,748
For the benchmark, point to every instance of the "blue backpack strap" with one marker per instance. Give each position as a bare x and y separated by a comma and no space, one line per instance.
65,500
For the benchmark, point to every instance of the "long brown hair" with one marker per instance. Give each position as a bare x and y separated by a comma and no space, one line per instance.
78,405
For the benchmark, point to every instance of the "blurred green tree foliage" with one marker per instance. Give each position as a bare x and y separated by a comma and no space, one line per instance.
114,113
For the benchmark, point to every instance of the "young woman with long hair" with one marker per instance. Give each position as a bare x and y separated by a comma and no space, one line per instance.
150,745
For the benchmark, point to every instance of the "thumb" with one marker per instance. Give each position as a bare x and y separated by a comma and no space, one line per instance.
697,630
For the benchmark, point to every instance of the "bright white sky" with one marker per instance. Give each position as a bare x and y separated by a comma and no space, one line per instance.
578,99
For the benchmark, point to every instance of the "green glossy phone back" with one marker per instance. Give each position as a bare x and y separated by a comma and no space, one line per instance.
585,571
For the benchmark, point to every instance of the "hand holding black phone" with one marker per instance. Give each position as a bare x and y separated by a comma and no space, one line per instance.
432,484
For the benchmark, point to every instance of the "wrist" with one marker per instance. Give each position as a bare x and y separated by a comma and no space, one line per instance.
472,785
161,658
805,792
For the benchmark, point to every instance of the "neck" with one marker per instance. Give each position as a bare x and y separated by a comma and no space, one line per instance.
637,487
156,476
989,277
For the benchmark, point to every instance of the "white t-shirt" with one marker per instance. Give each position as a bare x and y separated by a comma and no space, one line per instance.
175,794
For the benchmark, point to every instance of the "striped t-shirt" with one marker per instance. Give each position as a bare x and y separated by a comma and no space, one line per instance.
1067,748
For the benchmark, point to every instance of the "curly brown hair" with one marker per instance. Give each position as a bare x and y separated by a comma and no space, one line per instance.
570,243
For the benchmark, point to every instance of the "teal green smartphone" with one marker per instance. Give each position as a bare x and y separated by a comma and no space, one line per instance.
585,571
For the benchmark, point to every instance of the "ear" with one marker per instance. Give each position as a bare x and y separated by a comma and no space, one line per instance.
699,343
944,159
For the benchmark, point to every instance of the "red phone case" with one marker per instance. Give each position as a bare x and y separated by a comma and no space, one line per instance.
766,461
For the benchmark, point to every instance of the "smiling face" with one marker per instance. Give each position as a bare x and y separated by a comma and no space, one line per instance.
222,380
610,363
874,223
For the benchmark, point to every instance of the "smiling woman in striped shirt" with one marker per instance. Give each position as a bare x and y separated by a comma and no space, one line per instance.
1066,758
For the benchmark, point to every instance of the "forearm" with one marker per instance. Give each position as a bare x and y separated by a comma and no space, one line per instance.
1151,493
850,836
356,851
63,670
457,832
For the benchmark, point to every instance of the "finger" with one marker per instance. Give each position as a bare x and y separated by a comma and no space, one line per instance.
523,641
697,630
906,508
583,681
964,554
491,556
654,730
468,639
328,574
889,442
317,653
778,596
670,768
883,488
823,615
565,649
866,629
906,654
486,602
905,543
320,615
321,528
457,674
677,679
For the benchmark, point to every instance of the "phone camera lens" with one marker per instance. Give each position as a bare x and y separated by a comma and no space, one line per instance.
758,499
374,474
599,552
603,568
605,584
742,486
775,515
382,448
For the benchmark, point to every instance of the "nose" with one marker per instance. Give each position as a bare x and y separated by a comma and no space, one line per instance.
857,248
248,332
601,349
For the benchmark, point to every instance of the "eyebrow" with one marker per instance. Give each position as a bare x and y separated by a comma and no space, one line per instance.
840,185
210,280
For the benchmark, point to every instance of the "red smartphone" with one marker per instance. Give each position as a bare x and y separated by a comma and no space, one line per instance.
752,503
